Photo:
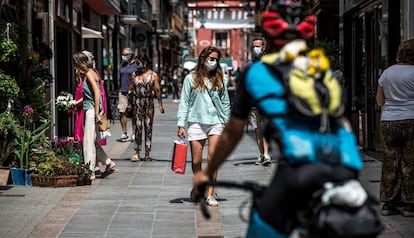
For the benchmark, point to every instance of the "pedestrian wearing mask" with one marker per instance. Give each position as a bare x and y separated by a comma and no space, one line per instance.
145,86
255,119
128,67
205,104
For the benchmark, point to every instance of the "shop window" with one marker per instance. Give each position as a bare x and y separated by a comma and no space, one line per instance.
221,39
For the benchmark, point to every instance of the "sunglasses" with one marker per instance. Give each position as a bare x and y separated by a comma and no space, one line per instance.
212,58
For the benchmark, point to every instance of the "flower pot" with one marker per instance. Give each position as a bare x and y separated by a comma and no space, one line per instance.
83,180
4,176
21,176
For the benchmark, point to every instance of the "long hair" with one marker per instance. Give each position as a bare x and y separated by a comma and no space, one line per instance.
82,65
201,71
145,60
405,53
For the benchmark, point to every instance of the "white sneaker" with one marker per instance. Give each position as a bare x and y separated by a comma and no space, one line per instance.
132,138
259,160
211,201
123,138
266,160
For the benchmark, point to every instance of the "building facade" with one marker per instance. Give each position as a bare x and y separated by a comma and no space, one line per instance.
371,31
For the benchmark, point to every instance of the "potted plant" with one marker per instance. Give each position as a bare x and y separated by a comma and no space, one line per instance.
8,50
84,175
8,89
24,140
7,136
67,148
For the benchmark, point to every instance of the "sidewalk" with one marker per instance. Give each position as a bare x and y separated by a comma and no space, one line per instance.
145,199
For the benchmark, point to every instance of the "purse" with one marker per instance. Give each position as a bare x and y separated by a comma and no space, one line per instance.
104,125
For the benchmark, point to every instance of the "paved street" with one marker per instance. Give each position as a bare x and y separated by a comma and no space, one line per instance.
147,200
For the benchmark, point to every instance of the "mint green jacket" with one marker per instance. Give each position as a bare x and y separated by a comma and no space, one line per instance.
196,105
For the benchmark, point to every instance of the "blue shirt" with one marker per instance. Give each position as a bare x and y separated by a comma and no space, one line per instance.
126,72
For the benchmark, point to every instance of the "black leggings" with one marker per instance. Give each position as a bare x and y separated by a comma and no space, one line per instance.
291,190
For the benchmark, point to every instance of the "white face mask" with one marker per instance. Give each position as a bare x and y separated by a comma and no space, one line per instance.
211,65
257,51
124,58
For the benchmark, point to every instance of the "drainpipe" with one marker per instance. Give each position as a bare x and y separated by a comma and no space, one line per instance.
52,68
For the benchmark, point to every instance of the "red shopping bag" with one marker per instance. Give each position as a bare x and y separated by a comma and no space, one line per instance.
179,157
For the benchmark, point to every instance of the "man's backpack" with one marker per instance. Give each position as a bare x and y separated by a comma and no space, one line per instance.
310,87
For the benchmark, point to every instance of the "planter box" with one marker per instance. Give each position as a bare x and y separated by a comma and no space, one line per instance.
54,181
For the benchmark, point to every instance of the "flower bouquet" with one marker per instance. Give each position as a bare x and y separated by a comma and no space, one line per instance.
64,101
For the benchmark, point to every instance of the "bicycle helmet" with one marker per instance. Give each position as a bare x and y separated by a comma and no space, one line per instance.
286,20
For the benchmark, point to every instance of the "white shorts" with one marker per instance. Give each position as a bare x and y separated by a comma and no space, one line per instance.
197,131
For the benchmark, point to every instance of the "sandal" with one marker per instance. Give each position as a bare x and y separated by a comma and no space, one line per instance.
147,158
134,158
111,167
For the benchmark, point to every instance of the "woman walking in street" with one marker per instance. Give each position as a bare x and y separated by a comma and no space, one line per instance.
205,104
144,86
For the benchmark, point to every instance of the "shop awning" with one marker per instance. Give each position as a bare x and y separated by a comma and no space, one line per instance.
105,7
90,33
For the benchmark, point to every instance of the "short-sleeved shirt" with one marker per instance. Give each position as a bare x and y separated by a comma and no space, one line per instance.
126,71
397,82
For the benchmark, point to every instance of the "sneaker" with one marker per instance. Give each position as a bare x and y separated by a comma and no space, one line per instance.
388,210
408,211
211,201
259,160
123,138
132,138
266,160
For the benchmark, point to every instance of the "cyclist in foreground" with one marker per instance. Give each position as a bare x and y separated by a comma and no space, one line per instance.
293,88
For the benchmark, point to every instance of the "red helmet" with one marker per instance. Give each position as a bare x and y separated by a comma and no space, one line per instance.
286,20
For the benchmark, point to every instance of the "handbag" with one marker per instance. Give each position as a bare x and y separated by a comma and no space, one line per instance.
104,125
179,157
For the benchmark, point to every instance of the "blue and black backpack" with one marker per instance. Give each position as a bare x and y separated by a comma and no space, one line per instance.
303,103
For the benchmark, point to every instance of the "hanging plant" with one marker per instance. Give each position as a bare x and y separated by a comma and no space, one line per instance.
8,86
8,50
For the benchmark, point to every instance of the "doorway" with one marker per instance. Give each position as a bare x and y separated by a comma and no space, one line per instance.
367,59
